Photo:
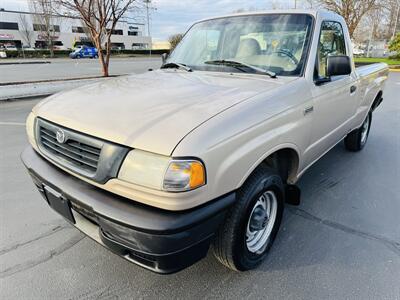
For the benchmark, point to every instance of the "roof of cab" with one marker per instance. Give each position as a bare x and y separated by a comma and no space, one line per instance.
313,12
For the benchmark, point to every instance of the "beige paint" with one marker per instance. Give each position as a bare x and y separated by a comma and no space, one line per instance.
232,122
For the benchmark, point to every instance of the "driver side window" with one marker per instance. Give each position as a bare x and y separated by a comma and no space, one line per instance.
331,42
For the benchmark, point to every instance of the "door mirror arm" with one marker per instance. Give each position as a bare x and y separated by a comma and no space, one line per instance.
322,80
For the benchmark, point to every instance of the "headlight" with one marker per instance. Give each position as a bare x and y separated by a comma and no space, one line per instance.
184,175
162,172
30,129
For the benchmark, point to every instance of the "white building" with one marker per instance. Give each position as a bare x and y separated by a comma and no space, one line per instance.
67,31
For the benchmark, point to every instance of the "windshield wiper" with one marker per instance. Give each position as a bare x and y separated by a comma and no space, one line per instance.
240,66
174,65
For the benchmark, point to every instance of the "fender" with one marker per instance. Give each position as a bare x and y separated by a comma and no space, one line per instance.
293,173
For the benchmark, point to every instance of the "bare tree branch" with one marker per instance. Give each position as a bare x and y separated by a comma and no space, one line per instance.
351,10
101,17
45,20
27,33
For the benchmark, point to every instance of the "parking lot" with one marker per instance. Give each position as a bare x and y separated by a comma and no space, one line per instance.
342,242
66,68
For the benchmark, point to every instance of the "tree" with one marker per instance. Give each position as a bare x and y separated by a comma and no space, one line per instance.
100,17
174,40
25,30
394,45
351,10
45,21
393,8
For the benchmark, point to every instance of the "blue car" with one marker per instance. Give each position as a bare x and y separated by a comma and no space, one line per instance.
84,52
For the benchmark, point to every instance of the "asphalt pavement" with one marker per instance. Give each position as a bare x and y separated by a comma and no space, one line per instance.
60,68
342,242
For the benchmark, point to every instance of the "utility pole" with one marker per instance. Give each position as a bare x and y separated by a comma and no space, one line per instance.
295,4
371,36
148,2
397,19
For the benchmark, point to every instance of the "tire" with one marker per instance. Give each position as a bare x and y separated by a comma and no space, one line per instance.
357,139
234,245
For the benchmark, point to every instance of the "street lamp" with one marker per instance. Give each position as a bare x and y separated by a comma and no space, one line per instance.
148,3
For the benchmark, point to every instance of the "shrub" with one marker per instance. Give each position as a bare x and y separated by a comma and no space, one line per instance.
394,44
65,53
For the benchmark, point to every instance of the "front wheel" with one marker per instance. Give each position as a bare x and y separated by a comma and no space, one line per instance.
251,225
356,140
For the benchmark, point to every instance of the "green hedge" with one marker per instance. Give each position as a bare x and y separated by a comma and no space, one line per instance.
140,52
36,53
65,53
371,60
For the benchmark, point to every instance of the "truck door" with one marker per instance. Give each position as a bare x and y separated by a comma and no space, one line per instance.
333,101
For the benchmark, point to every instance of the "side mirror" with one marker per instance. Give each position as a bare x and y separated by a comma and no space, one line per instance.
164,57
337,65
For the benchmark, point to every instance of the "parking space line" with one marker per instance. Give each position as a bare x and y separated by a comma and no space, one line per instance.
12,123
392,245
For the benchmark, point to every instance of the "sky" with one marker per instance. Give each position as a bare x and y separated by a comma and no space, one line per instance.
175,16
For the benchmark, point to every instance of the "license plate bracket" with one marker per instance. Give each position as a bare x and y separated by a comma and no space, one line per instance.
59,203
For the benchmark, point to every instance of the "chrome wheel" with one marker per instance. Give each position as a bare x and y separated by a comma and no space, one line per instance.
364,130
261,222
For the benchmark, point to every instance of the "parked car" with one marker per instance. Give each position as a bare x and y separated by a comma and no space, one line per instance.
157,167
27,48
3,53
84,52
10,48
60,47
358,51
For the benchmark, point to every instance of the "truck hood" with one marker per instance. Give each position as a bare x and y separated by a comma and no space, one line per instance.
151,111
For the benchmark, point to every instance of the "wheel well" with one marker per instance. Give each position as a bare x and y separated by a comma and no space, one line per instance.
377,100
285,162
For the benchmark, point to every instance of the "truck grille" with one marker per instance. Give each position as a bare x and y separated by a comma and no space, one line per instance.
85,155
80,154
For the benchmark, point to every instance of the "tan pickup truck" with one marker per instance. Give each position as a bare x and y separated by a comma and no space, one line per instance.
205,151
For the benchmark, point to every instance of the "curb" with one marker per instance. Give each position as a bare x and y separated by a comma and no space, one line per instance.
43,88
25,63
57,80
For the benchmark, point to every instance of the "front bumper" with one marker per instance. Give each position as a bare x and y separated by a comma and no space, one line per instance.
158,240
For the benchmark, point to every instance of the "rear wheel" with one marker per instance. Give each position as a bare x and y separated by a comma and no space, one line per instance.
251,225
356,140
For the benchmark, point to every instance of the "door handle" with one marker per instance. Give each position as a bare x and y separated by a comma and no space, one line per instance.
353,88
308,110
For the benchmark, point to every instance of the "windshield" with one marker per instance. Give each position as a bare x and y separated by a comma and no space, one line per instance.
273,42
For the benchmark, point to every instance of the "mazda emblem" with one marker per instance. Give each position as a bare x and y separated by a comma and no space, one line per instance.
60,136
